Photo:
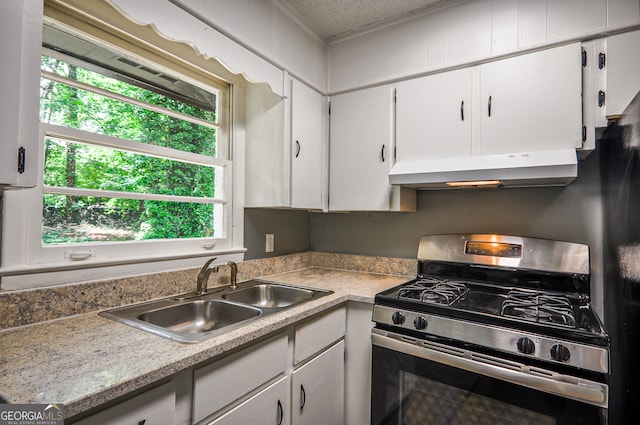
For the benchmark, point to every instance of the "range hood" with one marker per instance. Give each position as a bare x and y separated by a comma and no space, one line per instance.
544,168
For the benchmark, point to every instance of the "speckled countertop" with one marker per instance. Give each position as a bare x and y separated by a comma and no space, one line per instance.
86,360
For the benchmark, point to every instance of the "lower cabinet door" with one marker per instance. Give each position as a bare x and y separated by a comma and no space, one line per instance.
317,395
268,407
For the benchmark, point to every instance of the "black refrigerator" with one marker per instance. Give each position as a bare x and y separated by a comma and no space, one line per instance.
619,148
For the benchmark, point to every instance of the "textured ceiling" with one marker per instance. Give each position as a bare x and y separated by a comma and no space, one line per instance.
331,18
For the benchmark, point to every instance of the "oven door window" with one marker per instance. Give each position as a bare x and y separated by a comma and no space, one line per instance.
411,391
425,401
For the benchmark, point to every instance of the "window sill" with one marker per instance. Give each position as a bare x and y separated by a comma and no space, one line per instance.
40,275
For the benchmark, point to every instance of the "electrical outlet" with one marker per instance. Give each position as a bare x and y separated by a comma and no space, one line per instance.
270,243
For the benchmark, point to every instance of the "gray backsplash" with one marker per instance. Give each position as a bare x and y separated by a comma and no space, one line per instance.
572,213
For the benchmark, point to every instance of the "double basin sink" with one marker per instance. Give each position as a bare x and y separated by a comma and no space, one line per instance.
195,317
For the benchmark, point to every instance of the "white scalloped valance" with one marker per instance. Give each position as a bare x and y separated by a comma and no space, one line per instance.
176,25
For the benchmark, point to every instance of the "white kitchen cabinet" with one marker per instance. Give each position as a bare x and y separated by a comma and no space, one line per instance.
286,149
308,160
224,381
296,377
623,77
521,104
532,102
268,407
267,152
318,389
361,153
20,44
317,382
433,116
155,406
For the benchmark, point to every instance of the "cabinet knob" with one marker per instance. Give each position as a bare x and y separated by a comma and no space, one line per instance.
489,106
382,153
280,413
22,154
303,397
462,110
297,148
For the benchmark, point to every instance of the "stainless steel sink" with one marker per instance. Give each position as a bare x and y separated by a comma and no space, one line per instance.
195,317
184,321
270,295
198,316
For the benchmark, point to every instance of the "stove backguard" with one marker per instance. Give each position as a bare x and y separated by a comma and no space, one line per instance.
507,277
506,252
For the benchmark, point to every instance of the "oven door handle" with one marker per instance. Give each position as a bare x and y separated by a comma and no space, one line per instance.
532,377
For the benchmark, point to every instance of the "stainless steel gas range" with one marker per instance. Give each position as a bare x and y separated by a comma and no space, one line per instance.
494,329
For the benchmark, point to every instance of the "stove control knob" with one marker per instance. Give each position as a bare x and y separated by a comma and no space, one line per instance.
420,323
525,345
560,353
397,318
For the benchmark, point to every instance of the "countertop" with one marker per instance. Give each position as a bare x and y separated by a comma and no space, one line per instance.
86,360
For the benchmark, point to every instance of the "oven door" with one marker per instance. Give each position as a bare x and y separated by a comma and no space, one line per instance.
417,382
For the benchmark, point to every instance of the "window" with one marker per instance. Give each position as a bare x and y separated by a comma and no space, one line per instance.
134,164
125,159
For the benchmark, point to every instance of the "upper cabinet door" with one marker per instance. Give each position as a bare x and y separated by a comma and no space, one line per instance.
19,86
623,76
307,147
360,150
433,116
532,102
362,154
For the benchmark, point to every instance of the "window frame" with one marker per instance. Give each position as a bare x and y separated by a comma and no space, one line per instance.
27,263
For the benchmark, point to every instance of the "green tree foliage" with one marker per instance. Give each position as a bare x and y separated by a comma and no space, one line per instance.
70,164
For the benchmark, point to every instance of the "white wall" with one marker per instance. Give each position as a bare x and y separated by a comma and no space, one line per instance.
474,31
267,30
471,32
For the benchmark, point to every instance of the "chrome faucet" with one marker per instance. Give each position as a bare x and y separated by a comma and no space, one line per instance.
234,275
203,276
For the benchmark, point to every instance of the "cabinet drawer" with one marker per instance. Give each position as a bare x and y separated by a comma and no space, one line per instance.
228,379
268,407
156,406
314,336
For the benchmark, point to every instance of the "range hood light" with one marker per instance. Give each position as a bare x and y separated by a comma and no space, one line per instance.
477,183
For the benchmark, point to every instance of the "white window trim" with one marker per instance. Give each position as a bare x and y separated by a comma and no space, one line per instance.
28,264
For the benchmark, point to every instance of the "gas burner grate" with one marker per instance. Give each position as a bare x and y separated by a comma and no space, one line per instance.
539,307
433,290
